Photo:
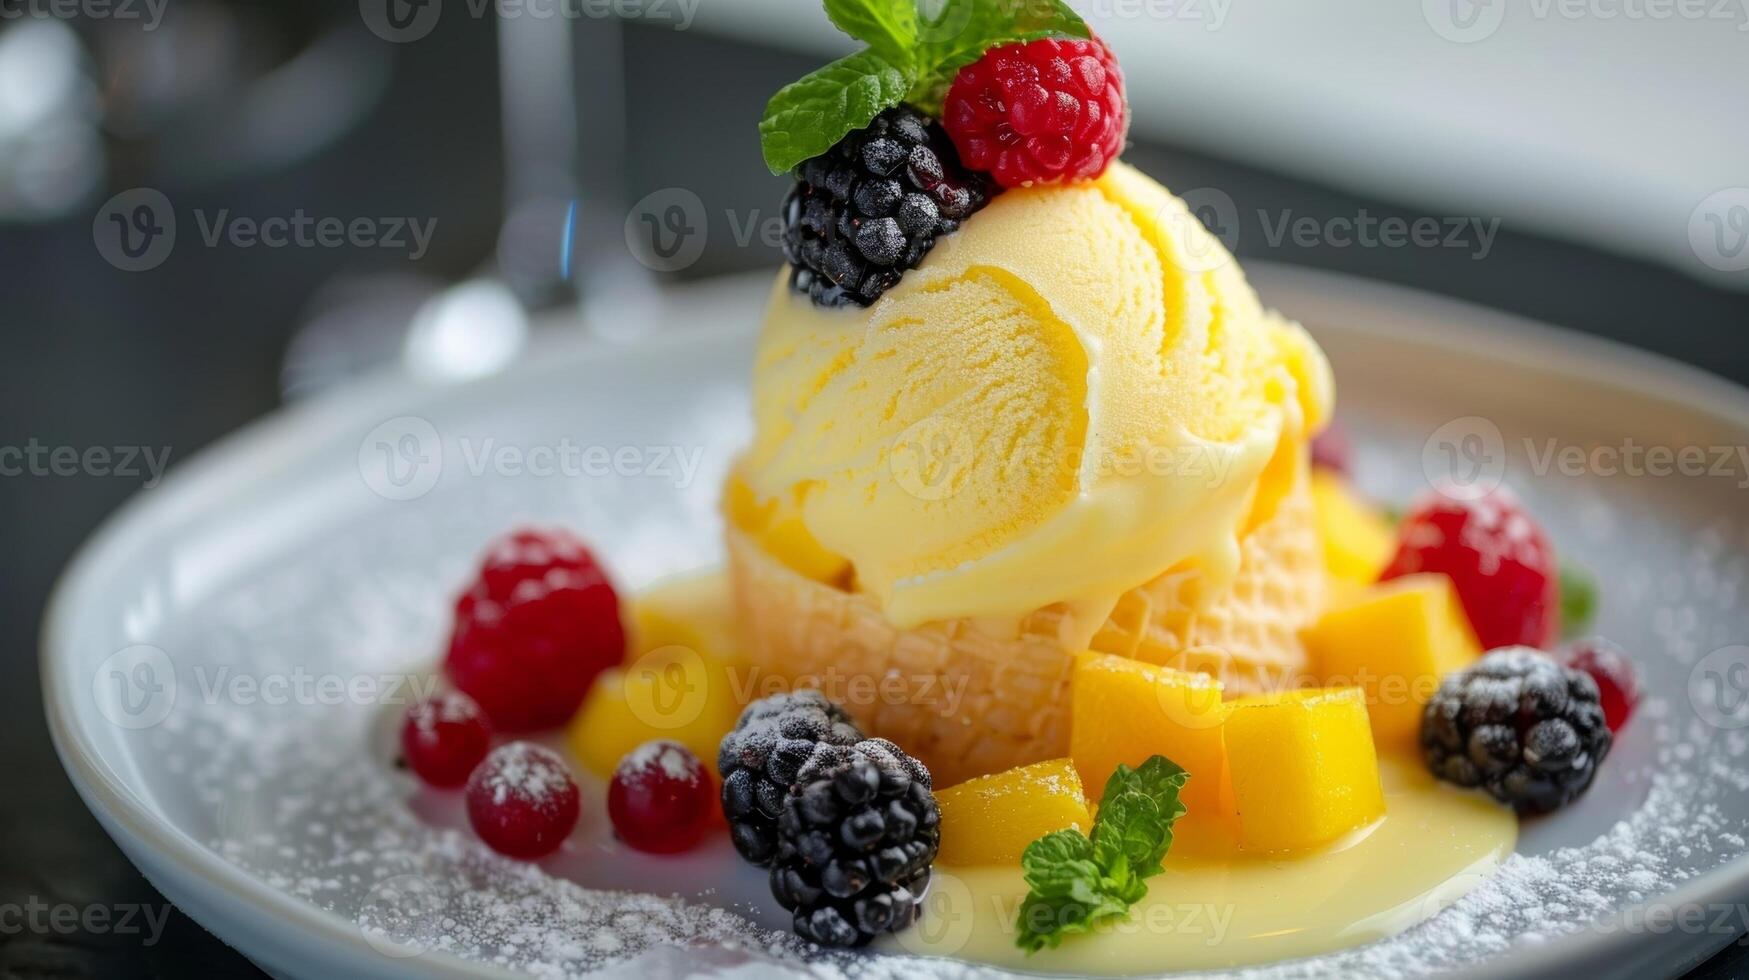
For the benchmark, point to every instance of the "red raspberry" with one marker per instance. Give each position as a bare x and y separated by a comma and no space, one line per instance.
443,739
1498,558
1039,111
1617,688
522,800
534,630
662,800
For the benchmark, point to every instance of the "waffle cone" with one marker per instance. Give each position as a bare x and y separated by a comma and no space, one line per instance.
971,697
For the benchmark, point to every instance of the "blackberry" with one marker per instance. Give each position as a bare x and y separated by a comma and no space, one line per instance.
1521,725
761,759
866,211
855,843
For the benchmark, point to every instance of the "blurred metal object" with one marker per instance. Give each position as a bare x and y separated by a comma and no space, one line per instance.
51,156
560,192
617,294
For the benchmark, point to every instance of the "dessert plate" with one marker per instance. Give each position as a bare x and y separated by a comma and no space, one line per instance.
224,662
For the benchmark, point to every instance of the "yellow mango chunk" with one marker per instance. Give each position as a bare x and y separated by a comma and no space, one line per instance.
1395,640
1124,711
1358,540
691,611
1304,768
991,819
777,526
677,685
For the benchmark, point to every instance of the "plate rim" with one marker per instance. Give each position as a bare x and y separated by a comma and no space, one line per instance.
215,471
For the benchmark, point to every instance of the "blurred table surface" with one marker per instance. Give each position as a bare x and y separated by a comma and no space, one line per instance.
176,357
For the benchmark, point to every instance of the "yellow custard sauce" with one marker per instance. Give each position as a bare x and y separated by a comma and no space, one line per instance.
1215,907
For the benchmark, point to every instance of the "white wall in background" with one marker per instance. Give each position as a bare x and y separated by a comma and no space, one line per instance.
1623,123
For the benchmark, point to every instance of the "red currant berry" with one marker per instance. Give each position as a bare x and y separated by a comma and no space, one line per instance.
522,800
1617,687
443,739
1039,111
534,630
662,799
1498,558
1331,450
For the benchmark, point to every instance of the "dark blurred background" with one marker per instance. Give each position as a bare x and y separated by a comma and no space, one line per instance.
481,130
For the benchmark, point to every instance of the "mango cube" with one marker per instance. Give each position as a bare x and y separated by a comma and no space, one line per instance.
991,819
1124,711
1304,768
1395,640
679,684
1358,540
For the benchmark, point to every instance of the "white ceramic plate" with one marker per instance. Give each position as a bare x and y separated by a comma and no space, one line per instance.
223,662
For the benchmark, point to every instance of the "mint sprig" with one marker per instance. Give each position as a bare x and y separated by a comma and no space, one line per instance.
888,27
1076,881
909,58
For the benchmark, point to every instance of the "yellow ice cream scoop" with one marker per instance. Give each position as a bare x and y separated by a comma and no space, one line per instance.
1073,393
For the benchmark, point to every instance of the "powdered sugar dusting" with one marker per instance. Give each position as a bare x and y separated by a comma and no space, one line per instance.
670,758
525,771
305,796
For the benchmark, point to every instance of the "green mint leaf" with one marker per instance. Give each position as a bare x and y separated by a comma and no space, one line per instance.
1067,891
1075,882
1045,921
1578,599
1159,778
962,30
1060,864
1130,829
888,27
805,118
1136,814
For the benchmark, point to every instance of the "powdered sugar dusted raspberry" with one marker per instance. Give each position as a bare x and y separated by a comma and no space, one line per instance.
522,800
662,799
444,738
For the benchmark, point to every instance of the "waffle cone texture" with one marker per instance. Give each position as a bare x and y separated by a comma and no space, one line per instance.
971,697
